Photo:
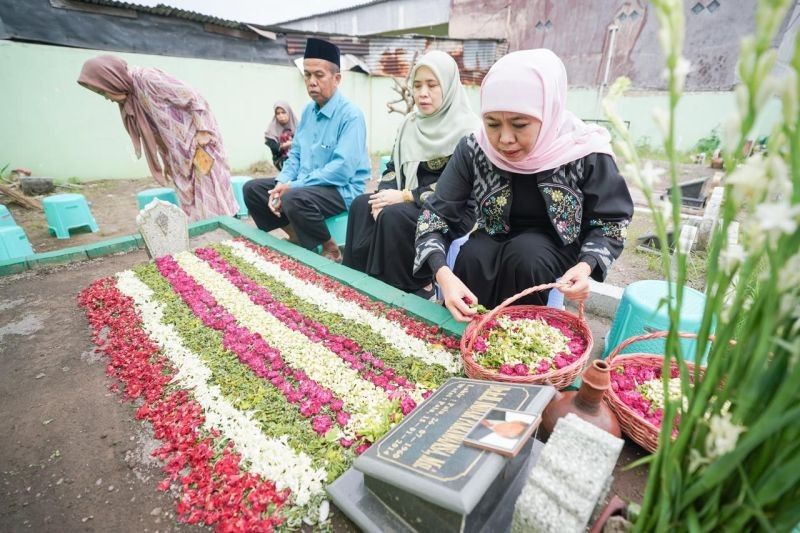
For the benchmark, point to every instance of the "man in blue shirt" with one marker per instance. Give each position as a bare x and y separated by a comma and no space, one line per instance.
328,164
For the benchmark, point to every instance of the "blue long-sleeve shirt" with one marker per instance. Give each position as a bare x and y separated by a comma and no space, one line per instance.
330,148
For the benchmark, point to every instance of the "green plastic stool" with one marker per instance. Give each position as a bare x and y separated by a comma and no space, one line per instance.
337,227
162,193
5,217
237,183
14,243
65,212
639,313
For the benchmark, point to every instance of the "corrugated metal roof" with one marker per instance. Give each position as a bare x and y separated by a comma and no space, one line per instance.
385,56
394,56
167,11
334,11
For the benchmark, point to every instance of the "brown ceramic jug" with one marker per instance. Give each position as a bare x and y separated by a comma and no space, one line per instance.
587,402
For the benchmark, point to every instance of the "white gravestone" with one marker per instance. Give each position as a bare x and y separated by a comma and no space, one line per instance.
710,216
164,227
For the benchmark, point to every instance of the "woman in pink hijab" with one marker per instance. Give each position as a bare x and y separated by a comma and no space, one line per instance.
174,126
551,202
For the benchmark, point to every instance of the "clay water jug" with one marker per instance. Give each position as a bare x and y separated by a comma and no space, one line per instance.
587,402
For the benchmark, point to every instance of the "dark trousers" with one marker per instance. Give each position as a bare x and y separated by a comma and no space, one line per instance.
305,208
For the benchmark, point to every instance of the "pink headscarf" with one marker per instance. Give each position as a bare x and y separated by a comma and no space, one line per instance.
110,74
534,82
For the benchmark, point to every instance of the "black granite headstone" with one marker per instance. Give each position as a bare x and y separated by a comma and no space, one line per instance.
421,475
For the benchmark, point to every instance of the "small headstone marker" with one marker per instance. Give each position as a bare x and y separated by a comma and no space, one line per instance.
686,238
572,475
710,217
422,477
164,227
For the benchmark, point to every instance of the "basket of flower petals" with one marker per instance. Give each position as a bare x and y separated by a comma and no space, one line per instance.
529,344
637,393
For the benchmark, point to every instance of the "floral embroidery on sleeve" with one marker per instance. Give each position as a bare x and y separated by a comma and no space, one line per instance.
493,209
612,230
429,222
564,211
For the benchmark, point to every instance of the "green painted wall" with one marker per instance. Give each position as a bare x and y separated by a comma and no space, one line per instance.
56,128
697,114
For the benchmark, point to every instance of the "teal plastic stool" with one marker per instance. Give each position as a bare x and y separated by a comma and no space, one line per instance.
162,193
14,243
337,226
67,211
5,217
639,313
237,183
384,163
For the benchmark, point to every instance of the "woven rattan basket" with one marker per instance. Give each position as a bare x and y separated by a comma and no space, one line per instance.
560,378
633,425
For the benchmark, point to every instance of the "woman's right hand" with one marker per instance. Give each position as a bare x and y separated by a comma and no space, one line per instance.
457,297
385,198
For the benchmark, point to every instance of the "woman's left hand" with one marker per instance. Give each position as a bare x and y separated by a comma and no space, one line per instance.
575,282
386,197
202,138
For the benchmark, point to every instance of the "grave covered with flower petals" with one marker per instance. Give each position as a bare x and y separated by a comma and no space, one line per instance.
262,378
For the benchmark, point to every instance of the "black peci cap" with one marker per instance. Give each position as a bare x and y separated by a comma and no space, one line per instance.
319,49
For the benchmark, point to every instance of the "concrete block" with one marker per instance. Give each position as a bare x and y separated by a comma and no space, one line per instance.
13,266
112,246
57,257
603,299
426,310
569,479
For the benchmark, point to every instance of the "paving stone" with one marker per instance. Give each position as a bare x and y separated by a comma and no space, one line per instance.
203,226
454,327
13,266
425,309
112,246
57,257
378,290
343,274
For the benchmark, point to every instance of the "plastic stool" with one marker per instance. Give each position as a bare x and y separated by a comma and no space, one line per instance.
337,227
5,217
67,211
639,313
237,183
14,243
384,163
162,193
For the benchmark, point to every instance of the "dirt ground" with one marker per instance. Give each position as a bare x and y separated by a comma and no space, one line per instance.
74,458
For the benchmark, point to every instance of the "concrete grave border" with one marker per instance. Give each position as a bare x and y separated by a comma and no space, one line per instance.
603,300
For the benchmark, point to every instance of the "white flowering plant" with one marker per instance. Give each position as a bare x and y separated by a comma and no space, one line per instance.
735,463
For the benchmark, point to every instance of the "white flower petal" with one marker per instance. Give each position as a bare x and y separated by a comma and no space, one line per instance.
271,458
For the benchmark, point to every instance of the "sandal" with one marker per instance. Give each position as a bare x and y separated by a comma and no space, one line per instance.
336,258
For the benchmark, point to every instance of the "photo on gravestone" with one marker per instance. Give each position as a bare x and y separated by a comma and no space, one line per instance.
503,431
421,476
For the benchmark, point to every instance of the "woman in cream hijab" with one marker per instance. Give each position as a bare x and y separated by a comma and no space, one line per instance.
380,230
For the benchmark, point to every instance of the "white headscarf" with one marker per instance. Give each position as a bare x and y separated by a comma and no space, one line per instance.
426,137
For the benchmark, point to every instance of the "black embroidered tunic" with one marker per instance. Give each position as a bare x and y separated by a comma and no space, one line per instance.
384,248
531,227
